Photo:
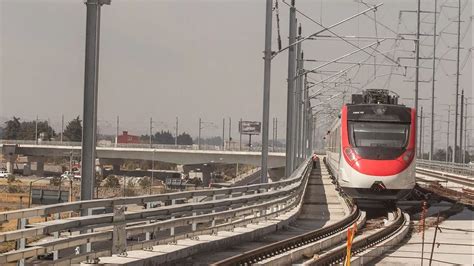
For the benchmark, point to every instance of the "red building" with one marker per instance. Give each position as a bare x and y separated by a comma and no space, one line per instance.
125,138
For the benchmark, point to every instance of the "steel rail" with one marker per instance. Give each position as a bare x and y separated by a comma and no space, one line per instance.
338,254
265,252
447,177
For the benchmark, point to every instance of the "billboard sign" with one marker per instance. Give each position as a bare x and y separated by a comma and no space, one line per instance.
250,127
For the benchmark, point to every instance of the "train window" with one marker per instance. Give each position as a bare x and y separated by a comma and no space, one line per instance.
376,134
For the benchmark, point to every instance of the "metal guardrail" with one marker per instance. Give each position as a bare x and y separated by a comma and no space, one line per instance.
447,167
242,205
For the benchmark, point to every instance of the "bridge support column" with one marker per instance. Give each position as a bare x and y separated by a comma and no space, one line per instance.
40,166
116,168
10,163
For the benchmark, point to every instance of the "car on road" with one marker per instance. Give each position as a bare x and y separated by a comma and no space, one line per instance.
71,175
4,174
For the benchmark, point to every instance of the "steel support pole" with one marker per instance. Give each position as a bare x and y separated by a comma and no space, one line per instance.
223,133
465,132
151,132
447,133
304,119
266,89
62,127
420,146
230,131
290,93
433,82
176,132
307,113
36,130
297,100
240,134
91,78
273,134
461,126
417,64
117,131
457,84
199,135
276,129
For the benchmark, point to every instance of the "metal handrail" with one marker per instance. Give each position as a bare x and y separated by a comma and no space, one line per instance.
448,167
236,207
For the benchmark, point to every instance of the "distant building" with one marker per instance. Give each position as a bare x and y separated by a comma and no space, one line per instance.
126,138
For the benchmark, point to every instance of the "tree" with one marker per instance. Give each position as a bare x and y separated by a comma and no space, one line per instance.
185,139
439,155
163,137
12,128
27,130
73,131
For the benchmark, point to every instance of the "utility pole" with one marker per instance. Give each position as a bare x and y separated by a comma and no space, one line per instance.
307,113
298,99
417,58
266,89
199,135
291,91
447,137
461,127
151,131
176,132
223,133
433,82
240,134
36,130
230,131
276,129
62,127
117,131
420,151
457,83
91,80
273,134
465,132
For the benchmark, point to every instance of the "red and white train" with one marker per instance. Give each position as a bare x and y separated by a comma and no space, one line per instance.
371,147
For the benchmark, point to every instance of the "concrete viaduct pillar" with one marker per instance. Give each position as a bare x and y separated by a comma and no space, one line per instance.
10,162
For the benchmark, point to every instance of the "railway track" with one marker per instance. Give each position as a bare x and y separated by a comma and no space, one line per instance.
321,241
287,245
364,247
446,177
321,205
331,232
455,189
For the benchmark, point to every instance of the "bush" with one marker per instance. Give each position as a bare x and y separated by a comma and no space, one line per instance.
129,192
112,182
12,179
14,189
55,181
145,182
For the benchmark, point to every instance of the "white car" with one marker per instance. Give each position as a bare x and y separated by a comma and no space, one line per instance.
4,174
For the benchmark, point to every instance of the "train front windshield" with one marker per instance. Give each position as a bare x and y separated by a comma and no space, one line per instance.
379,134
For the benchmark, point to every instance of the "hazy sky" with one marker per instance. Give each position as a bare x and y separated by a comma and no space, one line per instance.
193,58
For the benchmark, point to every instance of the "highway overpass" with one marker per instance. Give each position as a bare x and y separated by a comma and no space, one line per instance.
114,155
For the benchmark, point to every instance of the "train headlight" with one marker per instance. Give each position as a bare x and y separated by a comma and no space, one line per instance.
351,154
408,156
